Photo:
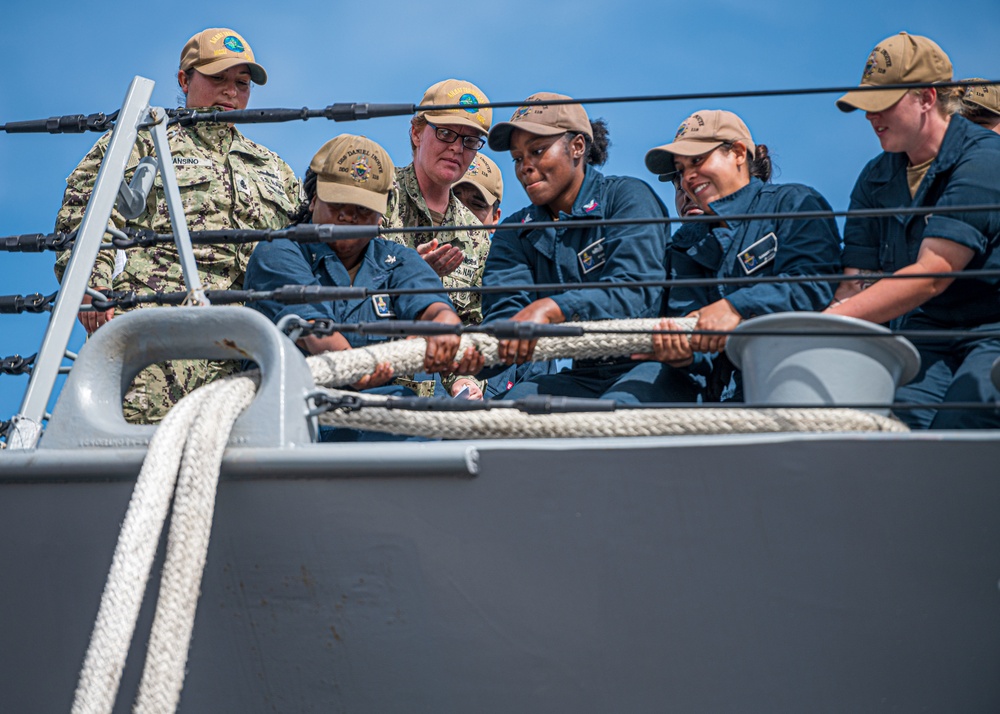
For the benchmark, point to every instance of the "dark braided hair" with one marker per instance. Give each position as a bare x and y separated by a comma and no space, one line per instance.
759,163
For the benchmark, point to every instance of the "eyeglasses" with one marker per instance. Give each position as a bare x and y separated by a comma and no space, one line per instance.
475,143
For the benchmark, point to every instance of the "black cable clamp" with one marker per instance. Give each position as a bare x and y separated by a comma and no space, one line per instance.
136,238
68,124
16,304
324,401
37,242
511,330
16,364
113,300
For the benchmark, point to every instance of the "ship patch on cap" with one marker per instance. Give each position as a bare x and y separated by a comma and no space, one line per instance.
873,66
360,170
470,102
233,44
686,126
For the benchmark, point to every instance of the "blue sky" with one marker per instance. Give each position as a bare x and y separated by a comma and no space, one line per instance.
69,58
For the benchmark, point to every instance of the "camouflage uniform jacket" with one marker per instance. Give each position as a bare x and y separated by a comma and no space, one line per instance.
226,181
407,208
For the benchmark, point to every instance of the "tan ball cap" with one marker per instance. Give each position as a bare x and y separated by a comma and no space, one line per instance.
353,169
485,176
900,59
701,132
218,48
985,95
543,120
457,91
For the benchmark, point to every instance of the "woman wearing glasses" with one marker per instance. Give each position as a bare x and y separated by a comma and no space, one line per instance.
444,143
555,148
715,161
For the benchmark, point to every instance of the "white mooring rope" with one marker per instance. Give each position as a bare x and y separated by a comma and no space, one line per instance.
191,441
513,424
338,369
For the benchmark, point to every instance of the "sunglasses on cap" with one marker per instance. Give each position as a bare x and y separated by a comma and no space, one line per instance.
673,177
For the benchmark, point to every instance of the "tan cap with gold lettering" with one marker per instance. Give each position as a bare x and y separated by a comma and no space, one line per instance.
218,48
457,91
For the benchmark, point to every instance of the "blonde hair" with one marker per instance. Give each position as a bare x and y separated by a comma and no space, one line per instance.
949,99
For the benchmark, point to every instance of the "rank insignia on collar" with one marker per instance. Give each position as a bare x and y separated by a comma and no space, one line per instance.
390,259
590,206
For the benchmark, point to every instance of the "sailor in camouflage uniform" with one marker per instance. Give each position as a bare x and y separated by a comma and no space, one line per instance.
226,181
444,143
481,190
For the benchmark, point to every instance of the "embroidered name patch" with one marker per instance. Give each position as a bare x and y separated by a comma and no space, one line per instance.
759,254
191,161
592,257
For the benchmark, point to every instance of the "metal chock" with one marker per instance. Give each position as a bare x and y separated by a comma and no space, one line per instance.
89,410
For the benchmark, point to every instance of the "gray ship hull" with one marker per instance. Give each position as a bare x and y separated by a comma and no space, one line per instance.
750,573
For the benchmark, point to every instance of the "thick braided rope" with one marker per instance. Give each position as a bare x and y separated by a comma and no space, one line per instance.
338,369
511,423
335,369
133,558
187,547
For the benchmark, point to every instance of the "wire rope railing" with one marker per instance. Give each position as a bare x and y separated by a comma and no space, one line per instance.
133,238
357,111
